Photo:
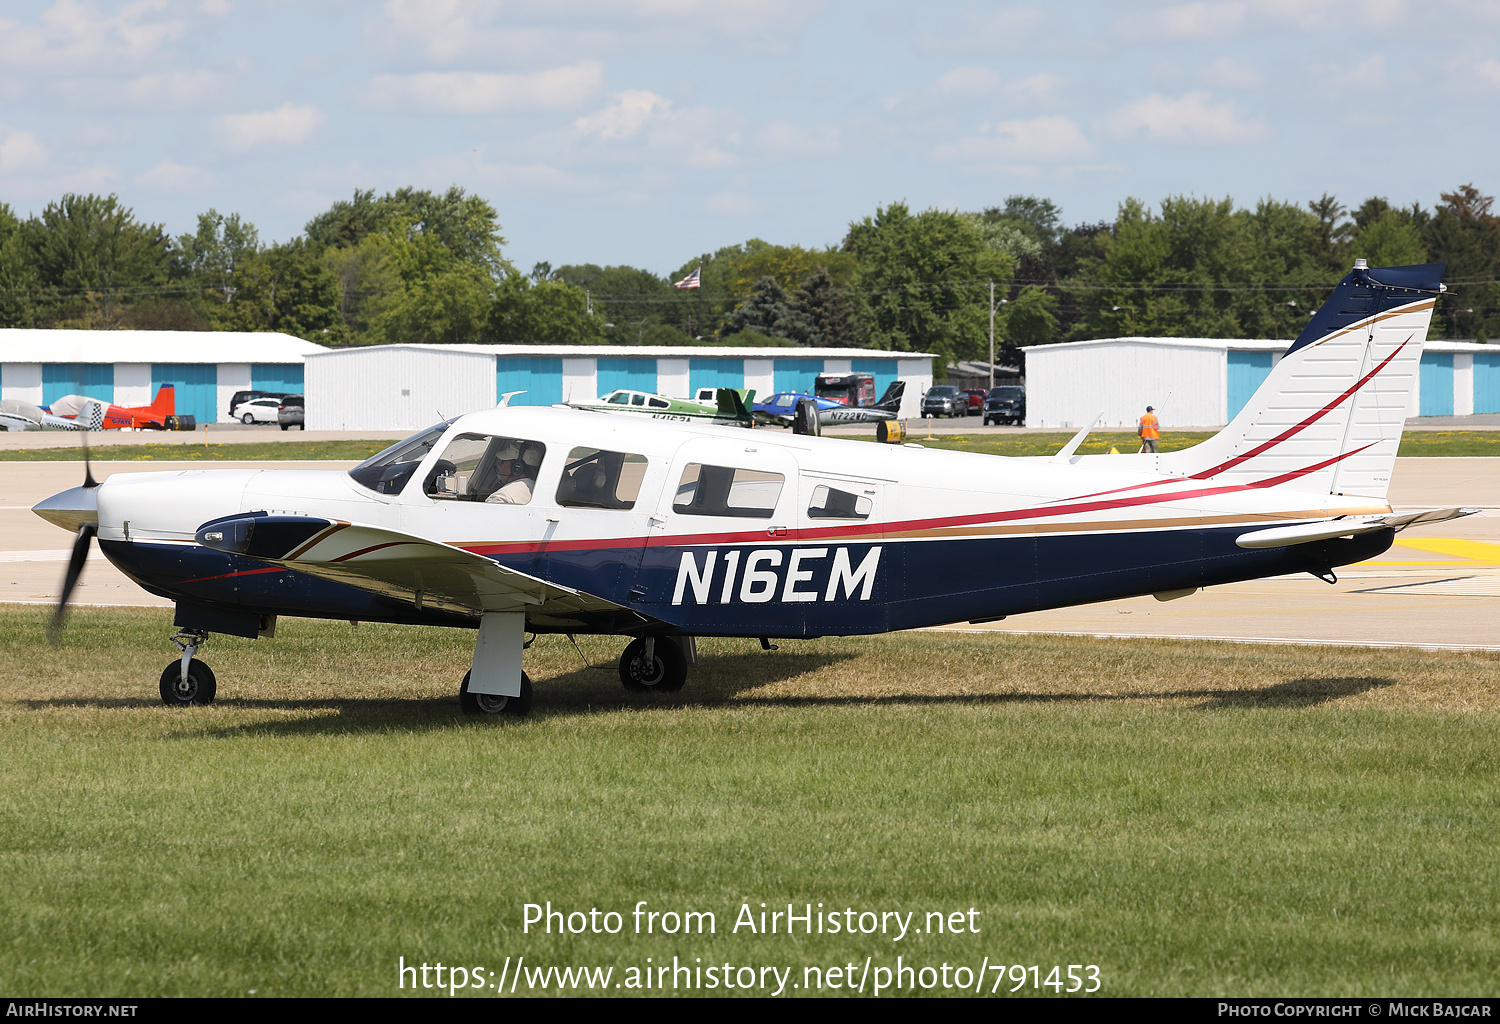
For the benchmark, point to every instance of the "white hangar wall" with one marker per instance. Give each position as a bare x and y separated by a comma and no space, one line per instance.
1204,382
205,368
406,387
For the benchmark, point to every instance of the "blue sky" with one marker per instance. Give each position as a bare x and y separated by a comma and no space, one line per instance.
646,131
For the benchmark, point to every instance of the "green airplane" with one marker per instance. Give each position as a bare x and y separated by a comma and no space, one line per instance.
731,408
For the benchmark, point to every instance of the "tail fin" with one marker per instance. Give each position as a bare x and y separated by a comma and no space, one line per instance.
891,400
166,401
1329,417
732,407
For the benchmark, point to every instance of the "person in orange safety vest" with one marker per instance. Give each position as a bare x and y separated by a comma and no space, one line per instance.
1149,431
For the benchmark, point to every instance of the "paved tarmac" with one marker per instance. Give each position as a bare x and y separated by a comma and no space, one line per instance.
1438,587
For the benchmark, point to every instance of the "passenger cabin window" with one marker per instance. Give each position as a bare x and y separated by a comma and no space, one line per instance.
832,503
785,401
599,479
484,467
658,403
618,398
637,399
388,471
726,491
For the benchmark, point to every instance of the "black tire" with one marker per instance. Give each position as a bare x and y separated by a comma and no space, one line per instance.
247,419
666,673
491,704
200,688
285,425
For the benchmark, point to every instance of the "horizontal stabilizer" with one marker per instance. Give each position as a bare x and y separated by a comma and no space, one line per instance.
421,572
1307,533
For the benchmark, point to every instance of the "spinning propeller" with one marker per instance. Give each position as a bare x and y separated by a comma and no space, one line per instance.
76,509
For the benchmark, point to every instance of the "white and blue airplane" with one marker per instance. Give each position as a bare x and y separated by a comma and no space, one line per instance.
783,409
551,520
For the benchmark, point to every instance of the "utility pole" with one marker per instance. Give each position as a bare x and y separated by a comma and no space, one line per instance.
992,334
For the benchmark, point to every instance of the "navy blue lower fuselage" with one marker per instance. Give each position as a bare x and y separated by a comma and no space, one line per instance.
744,590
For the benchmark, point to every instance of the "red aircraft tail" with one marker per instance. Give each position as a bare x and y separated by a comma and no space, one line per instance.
166,402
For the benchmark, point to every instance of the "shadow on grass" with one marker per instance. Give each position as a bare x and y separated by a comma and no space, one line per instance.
720,683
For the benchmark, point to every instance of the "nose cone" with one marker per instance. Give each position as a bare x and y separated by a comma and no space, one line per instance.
70,509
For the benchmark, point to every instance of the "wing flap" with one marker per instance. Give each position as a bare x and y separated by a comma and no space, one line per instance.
421,572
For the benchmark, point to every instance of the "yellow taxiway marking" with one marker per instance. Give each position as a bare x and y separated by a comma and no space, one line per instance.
1466,554
1476,550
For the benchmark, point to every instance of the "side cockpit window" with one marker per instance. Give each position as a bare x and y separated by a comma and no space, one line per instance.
487,468
832,503
388,471
600,479
727,491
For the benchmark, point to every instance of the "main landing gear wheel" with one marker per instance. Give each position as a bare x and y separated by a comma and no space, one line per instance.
198,688
663,668
494,703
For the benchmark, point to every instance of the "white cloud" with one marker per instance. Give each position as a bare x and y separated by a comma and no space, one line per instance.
1228,73
171,177
71,35
286,125
218,7
174,90
1007,31
1040,90
625,115
733,204
783,139
21,151
1197,21
1490,71
1191,119
967,81
1051,139
1367,74
464,92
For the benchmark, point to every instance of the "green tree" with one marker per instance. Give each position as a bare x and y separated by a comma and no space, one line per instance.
547,313
18,276
769,310
466,225
209,256
1389,240
1030,319
370,285
283,288
92,257
828,313
923,281
1464,233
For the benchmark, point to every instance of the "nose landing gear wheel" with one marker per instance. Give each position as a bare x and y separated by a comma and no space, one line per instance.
663,669
494,703
199,687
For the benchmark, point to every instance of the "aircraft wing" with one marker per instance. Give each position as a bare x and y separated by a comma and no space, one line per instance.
1307,533
421,572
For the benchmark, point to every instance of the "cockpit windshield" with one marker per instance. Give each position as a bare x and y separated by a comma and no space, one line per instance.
387,472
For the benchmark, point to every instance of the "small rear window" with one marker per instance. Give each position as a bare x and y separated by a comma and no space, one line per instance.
727,491
832,503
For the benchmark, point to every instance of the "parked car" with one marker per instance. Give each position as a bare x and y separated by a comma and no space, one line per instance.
257,410
945,400
289,412
1006,404
976,400
241,397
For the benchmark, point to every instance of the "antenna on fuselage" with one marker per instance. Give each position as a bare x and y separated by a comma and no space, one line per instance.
1068,449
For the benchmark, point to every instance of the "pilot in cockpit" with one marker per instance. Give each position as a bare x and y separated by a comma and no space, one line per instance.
518,462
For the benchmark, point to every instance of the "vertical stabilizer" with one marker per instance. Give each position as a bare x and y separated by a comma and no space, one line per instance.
1329,416
166,401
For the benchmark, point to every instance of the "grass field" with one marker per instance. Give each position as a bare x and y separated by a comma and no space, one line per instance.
1194,818
1413,443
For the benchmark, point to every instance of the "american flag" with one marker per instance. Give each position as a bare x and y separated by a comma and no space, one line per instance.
693,280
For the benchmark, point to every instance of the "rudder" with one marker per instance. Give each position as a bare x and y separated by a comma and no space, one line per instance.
1329,416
